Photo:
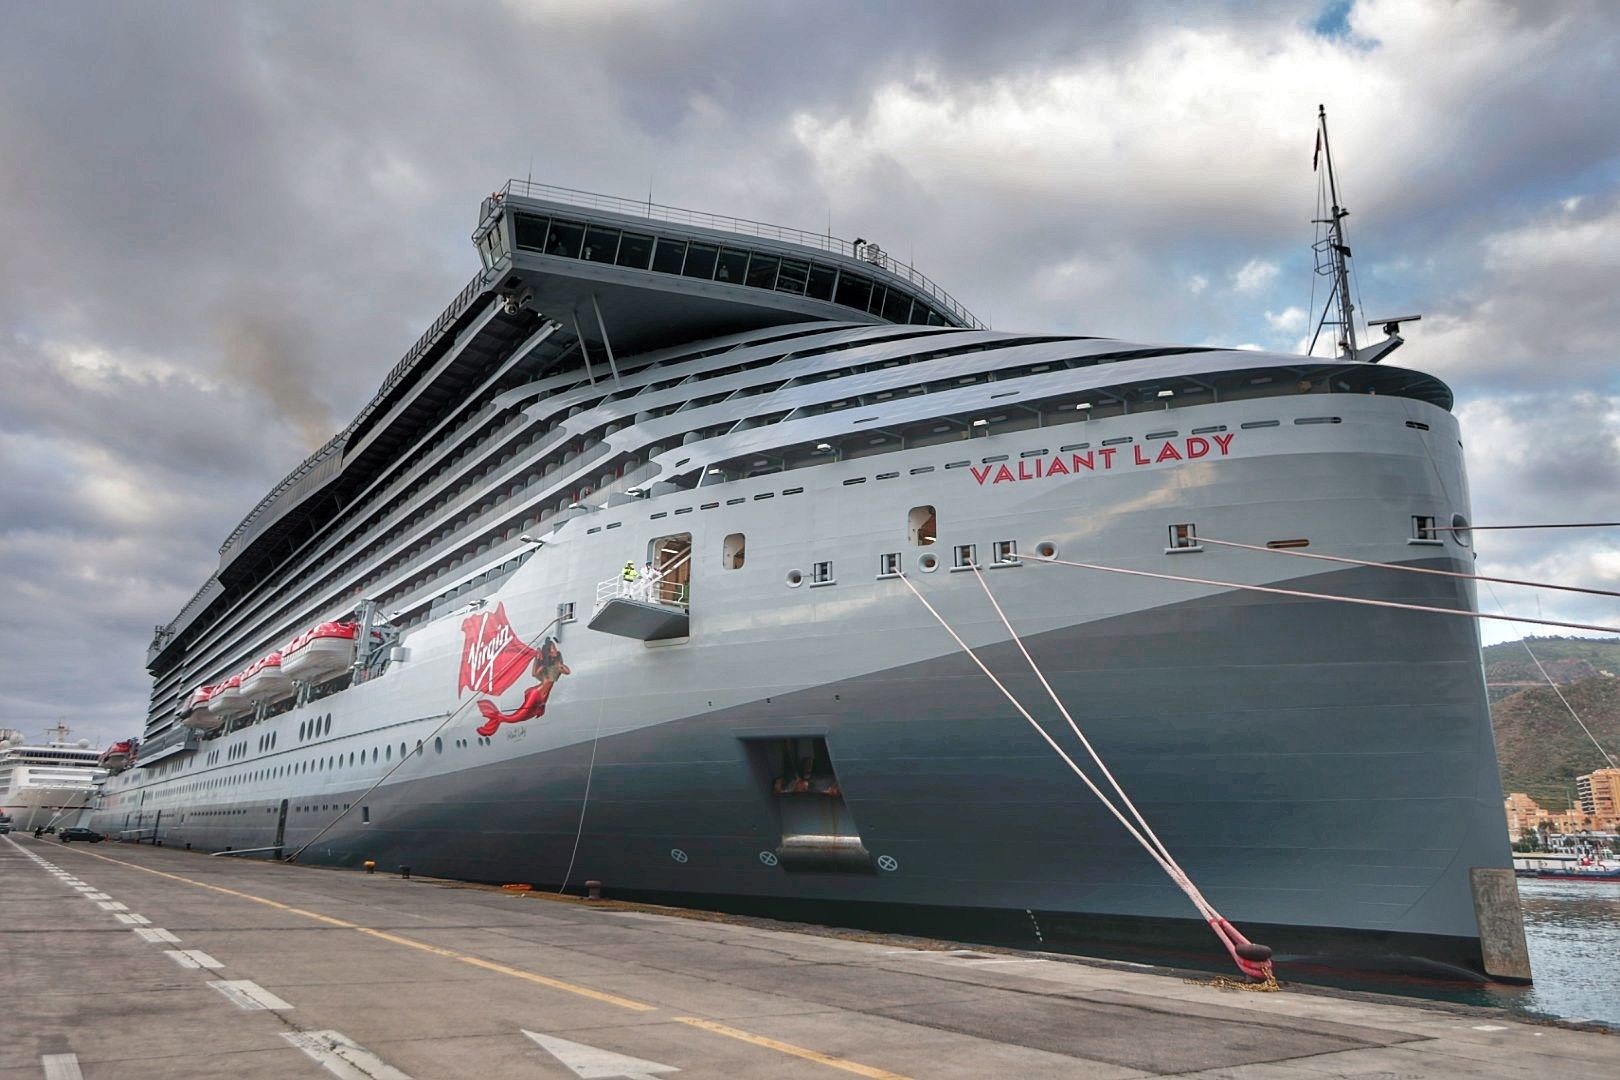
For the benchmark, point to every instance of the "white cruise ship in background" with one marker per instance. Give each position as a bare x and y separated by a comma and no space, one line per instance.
51,782
419,648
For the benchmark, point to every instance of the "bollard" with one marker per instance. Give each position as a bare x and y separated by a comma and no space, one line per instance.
188,845
405,872
370,865
593,890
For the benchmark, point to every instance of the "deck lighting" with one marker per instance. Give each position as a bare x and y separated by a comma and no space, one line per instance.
980,423
1083,406
823,448
1167,393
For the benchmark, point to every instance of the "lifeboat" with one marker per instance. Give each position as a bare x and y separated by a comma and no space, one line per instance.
265,681
227,700
119,756
194,713
319,653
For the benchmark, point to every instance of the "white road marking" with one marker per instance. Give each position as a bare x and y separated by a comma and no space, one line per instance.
132,920
342,1056
192,958
1488,1027
84,888
111,905
61,1067
96,896
594,1063
249,995
153,935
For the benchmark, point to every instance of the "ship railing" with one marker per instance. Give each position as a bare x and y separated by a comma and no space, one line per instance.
646,208
659,590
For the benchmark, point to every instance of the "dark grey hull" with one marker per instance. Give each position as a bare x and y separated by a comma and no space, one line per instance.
1324,772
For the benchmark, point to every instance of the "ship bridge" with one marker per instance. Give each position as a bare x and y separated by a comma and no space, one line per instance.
627,276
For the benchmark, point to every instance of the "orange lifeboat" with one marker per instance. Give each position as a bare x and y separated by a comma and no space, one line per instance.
265,681
194,713
227,700
320,652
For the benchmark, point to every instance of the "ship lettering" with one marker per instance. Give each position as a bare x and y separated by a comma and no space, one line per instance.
1190,448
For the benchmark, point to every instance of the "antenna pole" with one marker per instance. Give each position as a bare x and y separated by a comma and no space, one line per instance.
1340,250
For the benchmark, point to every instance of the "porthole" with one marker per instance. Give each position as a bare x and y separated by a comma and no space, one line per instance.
795,578
1460,531
928,563
1046,549
438,746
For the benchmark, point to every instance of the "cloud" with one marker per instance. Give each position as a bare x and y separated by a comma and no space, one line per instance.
1289,320
223,224
1254,275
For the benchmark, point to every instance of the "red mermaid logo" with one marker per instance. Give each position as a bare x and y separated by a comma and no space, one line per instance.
493,658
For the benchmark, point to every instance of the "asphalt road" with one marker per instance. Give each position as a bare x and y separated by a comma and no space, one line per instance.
133,962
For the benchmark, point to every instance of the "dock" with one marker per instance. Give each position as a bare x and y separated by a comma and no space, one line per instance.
134,962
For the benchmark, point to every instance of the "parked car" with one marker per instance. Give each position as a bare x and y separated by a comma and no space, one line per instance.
5,827
79,832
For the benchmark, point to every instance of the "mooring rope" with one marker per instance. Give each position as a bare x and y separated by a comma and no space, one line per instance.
421,743
1553,525
1257,964
1302,594
1405,569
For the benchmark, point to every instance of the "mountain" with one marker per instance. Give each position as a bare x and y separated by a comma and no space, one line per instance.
1540,747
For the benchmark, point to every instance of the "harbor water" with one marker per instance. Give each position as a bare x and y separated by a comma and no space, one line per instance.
1573,929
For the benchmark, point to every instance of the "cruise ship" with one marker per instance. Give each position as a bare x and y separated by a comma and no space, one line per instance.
49,783
620,577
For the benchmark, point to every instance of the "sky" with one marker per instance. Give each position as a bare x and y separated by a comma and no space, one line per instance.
221,224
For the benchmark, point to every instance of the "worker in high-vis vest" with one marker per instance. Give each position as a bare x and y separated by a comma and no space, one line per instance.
629,575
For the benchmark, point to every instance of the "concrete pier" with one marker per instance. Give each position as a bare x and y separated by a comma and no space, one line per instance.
133,962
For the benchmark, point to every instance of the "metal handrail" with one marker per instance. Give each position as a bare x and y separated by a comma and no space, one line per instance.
868,253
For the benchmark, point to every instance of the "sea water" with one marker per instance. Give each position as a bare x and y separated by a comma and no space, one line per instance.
1573,928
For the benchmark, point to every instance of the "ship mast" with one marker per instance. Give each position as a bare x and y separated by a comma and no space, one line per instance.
1333,260
1338,250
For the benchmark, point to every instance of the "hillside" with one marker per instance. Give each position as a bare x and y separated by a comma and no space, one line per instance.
1540,748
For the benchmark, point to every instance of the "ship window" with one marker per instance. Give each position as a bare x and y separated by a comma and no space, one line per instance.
821,573
1004,553
635,250
922,527
967,555
733,553
875,305
669,256
762,271
600,244
793,277
1184,538
530,231
889,564
564,238
820,283
365,815
388,753
854,290
897,306
438,746
732,265
700,260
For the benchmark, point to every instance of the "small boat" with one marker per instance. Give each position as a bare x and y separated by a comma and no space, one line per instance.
194,712
119,756
227,700
320,652
265,681
1585,870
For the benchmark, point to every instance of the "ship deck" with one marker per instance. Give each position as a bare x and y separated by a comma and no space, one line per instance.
145,962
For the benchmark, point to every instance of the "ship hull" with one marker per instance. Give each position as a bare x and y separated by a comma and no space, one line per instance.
1325,772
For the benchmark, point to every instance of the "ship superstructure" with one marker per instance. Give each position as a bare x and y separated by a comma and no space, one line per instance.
49,782
612,579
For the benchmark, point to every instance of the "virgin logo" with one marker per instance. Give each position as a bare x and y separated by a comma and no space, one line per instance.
492,655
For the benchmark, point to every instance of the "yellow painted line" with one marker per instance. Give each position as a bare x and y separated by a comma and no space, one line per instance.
474,961
843,1064
797,1051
